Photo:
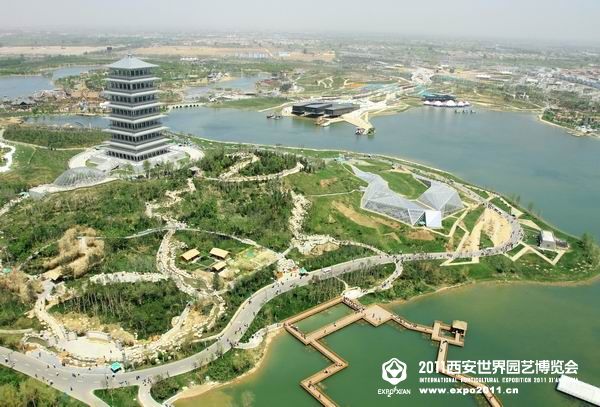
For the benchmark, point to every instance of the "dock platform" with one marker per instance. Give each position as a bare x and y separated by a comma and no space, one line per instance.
375,315
581,390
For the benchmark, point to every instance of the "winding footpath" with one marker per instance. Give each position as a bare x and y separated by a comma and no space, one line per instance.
8,156
80,382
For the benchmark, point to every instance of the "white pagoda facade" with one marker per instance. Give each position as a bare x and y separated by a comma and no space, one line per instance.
135,119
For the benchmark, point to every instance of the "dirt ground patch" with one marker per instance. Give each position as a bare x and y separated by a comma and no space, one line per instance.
319,249
400,170
81,324
324,183
49,50
78,249
354,216
421,234
364,220
392,235
496,227
18,283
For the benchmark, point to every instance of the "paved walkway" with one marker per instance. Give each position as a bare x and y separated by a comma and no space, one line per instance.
376,316
80,382
7,156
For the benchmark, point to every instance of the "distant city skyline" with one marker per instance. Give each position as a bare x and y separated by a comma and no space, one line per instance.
551,20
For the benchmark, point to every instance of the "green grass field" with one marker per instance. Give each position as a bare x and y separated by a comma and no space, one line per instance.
325,217
257,103
121,397
31,167
333,178
17,389
55,138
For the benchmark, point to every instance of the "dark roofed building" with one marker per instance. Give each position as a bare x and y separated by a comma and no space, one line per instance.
299,108
317,109
339,109
434,97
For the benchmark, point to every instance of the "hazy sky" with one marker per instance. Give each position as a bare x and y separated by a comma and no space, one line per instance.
566,20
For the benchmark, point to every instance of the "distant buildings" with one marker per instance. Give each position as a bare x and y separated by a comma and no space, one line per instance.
437,97
319,108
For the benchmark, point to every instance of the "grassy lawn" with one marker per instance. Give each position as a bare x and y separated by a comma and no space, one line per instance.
121,397
471,218
17,389
400,182
404,184
257,103
32,167
144,308
500,204
343,254
55,138
332,178
325,217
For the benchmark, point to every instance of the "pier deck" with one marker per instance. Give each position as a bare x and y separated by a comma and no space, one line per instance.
374,315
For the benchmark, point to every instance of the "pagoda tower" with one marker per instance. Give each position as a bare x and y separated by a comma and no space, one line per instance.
135,119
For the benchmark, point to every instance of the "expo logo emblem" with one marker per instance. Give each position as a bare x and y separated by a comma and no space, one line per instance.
393,371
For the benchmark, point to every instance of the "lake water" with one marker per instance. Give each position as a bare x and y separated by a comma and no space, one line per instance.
75,70
244,83
14,87
17,86
517,322
512,153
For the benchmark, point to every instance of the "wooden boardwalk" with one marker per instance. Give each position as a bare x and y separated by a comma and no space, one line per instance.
374,315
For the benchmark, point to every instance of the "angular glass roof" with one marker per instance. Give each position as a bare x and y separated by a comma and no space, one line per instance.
378,197
131,62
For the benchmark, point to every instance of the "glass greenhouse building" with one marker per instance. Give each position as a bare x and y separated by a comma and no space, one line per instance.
440,200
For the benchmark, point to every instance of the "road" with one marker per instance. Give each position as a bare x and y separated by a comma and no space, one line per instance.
87,381
81,382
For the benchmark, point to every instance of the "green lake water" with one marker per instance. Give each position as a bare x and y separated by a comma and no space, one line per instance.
513,153
506,322
510,152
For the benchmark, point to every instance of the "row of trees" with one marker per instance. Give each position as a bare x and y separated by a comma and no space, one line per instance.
145,308
256,211
55,138
270,163
19,391
215,162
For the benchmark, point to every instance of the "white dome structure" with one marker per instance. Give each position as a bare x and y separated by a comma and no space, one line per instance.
440,196
438,201
79,176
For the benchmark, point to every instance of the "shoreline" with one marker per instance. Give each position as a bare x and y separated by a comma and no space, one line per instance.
200,389
471,284
408,161
391,110
572,132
